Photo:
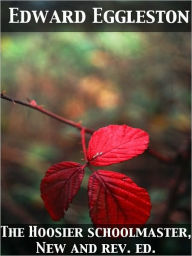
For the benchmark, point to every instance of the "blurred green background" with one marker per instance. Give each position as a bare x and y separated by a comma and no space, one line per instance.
138,79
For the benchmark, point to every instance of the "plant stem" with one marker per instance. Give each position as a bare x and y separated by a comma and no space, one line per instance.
83,143
160,157
48,113
78,126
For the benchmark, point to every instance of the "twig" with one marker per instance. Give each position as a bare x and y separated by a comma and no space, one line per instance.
183,168
173,195
32,104
48,113
83,144
165,159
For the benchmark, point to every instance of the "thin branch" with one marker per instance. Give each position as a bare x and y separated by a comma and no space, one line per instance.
48,113
165,159
183,169
172,196
32,104
83,144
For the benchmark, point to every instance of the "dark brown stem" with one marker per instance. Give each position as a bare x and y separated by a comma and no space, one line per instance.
173,195
48,113
183,168
39,108
165,159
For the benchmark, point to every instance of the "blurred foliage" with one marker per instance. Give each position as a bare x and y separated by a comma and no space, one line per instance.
140,79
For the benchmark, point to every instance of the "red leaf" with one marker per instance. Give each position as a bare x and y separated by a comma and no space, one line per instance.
59,186
116,199
115,144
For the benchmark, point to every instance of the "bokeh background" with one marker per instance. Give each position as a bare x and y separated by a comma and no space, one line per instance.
138,79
